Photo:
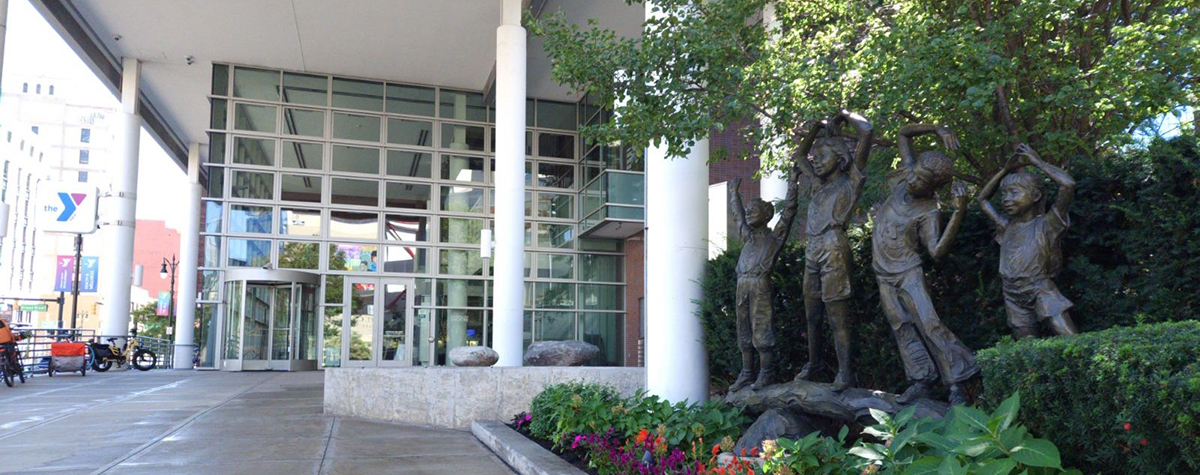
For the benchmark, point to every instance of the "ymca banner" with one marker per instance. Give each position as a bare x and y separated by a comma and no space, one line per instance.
164,304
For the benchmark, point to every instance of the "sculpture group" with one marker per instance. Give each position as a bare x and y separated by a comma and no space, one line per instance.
908,222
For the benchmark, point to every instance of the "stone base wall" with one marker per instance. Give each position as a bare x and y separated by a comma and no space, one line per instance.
454,397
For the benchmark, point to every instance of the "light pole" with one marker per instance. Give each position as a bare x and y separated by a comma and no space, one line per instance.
162,273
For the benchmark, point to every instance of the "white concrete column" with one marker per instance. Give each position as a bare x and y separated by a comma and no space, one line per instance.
676,252
3,32
121,207
508,282
189,254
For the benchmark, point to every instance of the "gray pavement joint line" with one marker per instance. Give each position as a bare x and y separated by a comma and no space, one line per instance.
48,391
93,406
178,427
328,441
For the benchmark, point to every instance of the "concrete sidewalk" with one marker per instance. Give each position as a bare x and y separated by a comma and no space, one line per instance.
206,422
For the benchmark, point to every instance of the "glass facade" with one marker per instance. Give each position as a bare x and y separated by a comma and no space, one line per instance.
614,179
366,182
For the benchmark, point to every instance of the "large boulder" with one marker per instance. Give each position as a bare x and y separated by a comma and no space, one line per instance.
473,356
821,399
560,353
771,425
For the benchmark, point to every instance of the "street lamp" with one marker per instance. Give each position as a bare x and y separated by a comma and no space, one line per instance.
162,274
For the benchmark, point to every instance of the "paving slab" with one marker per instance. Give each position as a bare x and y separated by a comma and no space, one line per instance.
207,422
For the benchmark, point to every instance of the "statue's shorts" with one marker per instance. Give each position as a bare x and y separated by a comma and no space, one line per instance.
827,266
755,298
1029,301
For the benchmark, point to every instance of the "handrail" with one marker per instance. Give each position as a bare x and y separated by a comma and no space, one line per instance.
35,346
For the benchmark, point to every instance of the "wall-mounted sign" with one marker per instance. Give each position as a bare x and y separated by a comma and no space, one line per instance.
67,207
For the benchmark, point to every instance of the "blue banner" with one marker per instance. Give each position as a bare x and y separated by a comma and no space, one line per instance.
89,274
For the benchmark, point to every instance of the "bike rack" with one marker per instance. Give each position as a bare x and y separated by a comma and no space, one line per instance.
35,346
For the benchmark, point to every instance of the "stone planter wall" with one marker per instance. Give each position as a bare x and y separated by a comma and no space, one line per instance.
454,397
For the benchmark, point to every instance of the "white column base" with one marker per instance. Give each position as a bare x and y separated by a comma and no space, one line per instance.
183,356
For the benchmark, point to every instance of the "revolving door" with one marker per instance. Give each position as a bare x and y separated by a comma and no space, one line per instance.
270,321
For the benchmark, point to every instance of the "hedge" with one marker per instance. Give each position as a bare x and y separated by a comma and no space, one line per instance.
1119,401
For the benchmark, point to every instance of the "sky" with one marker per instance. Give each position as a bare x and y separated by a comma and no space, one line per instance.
33,48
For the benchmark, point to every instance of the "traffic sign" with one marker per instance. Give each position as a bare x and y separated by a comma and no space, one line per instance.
64,207
34,307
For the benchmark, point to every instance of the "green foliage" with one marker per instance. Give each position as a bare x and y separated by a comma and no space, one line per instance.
551,405
966,441
1070,77
148,322
1082,391
1131,257
576,408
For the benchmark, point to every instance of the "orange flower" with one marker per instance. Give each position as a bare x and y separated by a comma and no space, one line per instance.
641,436
658,440
754,451
716,449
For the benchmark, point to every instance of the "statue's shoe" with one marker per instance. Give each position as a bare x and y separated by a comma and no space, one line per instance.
742,380
918,390
843,381
808,370
765,378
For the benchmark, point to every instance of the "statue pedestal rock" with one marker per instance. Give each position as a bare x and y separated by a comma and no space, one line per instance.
821,399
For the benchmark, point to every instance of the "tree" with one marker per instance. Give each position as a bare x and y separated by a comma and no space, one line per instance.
1070,77
148,322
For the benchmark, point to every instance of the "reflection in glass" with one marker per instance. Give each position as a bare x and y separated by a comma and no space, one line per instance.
556,115
281,327
249,252
206,334
362,320
305,155
212,216
210,281
463,106
356,94
462,199
250,219
305,188
299,255
254,118
410,260
601,297
219,114
211,252
216,147
305,89
460,262
555,175
556,266
220,80
252,83
455,328
412,100
346,191
406,228
552,205
303,122
556,145
460,230
407,195
333,289
409,164
354,257
252,185
600,268
299,222
422,334
215,188
423,295
554,295
462,137
355,159
331,347
233,318
306,341
605,330
251,151
410,132
356,127
461,168
352,225
554,326
555,235
395,313
459,293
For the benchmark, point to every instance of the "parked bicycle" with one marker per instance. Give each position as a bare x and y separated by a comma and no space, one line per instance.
105,355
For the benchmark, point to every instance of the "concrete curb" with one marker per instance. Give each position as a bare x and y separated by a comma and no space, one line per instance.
521,454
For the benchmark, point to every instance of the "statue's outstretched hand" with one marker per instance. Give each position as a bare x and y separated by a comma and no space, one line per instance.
958,190
949,139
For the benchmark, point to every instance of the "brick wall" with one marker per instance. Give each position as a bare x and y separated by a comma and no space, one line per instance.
152,241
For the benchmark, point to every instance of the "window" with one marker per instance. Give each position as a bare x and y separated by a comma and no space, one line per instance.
299,222
39,88
83,177
411,164
51,89
353,225
34,129
25,87
85,135
84,158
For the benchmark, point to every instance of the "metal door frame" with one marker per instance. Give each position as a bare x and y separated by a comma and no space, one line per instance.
380,315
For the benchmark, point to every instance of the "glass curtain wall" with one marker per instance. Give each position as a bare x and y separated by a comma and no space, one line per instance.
353,177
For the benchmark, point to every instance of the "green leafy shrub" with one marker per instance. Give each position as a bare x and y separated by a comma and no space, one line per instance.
966,441
1131,253
1123,400
551,405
